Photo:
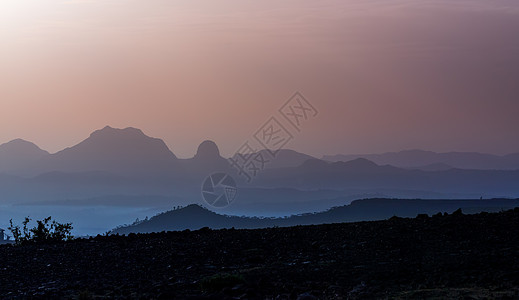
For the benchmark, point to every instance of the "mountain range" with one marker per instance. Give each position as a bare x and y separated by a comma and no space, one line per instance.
428,160
365,174
130,152
116,163
120,151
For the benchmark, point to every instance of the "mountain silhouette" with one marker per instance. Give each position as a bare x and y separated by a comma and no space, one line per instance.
122,151
284,158
128,162
322,170
434,167
195,217
417,159
359,164
207,160
207,151
18,155
365,174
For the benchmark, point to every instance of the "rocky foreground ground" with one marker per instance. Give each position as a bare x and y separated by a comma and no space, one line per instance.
454,256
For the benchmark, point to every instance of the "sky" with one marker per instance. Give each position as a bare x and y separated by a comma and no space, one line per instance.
384,75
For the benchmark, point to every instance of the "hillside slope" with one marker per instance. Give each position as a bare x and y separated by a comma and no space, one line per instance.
195,217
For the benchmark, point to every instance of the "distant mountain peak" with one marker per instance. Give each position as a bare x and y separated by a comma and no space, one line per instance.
18,155
360,163
195,208
283,158
314,163
416,159
110,131
18,141
414,151
20,145
127,140
207,150
207,159
125,151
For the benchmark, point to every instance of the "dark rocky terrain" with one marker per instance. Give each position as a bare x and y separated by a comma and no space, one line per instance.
444,256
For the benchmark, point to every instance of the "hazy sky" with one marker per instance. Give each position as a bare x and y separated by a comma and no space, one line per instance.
385,75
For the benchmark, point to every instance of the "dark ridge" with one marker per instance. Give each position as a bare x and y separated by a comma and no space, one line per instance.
195,217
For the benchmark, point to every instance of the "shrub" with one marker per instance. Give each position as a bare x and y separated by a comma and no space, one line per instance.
46,230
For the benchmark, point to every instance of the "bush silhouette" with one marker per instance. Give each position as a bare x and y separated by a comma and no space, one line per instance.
46,230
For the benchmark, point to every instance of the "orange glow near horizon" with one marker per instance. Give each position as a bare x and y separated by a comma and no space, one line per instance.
385,75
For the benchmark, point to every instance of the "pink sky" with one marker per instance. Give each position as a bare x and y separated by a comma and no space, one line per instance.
385,75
